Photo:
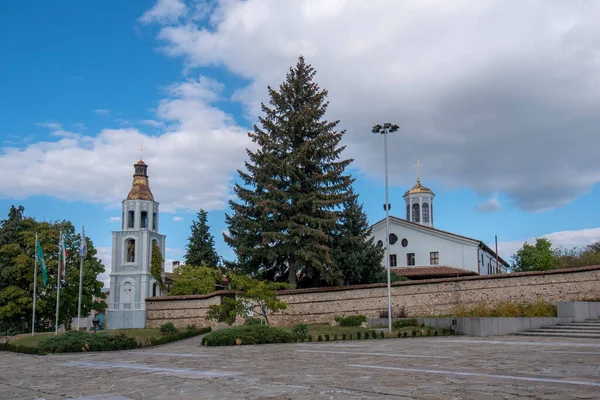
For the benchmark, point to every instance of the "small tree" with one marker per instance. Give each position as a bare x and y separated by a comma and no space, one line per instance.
157,265
201,245
254,296
190,279
538,257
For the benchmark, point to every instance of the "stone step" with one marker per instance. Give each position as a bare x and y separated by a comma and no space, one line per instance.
564,331
579,324
573,327
555,334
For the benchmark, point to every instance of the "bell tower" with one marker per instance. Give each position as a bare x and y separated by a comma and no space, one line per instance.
130,279
419,202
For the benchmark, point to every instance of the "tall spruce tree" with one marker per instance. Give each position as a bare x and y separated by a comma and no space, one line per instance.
354,251
293,188
201,244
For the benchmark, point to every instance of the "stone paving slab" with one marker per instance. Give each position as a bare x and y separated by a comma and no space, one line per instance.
412,368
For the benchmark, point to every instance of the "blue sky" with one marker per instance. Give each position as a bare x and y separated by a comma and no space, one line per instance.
503,120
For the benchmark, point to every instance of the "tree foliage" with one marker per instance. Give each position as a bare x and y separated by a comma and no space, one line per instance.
201,244
293,186
254,296
190,279
538,257
17,260
354,252
157,269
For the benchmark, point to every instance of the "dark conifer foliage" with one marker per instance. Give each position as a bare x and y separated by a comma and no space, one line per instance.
294,186
201,244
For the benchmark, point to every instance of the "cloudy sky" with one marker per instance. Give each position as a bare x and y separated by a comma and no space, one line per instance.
497,99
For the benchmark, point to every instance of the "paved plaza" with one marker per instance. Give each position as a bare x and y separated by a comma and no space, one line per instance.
420,368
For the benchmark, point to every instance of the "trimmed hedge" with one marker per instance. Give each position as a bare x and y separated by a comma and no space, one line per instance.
75,341
155,341
405,322
248,334
353,320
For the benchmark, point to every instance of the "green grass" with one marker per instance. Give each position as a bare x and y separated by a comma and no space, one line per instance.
31,341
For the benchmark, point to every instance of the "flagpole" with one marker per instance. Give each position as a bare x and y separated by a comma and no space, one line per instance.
81,256
58,279
34,284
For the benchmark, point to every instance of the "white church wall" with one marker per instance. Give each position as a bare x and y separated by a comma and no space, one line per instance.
456,253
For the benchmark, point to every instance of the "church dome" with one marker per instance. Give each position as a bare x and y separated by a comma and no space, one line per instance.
140,189
418,188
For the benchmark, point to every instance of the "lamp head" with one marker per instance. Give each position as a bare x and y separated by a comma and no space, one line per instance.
377,129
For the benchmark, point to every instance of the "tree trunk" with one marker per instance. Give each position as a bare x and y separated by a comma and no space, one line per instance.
292,274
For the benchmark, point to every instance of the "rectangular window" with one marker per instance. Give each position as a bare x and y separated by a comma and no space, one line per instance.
130,215
410,259
434,258
144,219
154,221
393,260
482,262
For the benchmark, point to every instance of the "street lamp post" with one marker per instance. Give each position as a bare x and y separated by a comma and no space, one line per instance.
384,130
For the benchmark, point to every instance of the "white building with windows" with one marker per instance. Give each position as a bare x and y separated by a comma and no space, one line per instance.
415,243
130,278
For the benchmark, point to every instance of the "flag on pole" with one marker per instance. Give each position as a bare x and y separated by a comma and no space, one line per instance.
40,257
64,256
83,245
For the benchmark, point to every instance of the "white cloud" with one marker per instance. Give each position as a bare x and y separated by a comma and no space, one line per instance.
50,125
102,111
121,121
490,205
105,255
114,219
204,147
153,123
477,87
164,11
80,126
177,218
566,239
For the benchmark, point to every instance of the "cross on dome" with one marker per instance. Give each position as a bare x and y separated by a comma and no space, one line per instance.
141,150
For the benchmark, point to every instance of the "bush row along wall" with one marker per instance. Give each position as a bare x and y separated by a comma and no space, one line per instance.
419,298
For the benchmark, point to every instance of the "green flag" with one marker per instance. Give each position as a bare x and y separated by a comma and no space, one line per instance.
40,257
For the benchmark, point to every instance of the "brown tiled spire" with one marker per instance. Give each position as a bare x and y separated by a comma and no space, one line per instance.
140,190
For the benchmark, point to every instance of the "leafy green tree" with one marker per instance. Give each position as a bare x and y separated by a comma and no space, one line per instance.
292,188
253,295
201,244
18,260
354,252
157,265
190,279
538,257
578,256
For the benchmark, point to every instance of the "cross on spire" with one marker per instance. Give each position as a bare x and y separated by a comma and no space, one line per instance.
418,165
141,150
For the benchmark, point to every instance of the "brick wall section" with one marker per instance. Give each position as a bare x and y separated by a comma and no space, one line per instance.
419,298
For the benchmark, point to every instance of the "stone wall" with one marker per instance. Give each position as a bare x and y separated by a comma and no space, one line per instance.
419,298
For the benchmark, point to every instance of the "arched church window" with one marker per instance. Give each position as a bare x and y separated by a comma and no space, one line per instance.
154,221
154,289
408,212
126,295
130,247
393,238
144,219
379,243
415,213
425,212
130,215
404,242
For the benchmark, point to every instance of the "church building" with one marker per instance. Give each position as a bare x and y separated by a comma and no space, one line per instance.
130,278
418,250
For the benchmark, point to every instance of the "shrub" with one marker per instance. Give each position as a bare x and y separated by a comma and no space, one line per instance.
405,334
77,341
435,333
310,338
156,341
300,331
247,334
506,309
168,328
327,337
414,332
367,335
358,335
343,336
405,322
319,338
349,336
382,335
191,327
374,334
254,321
335,337
353,320
399,334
